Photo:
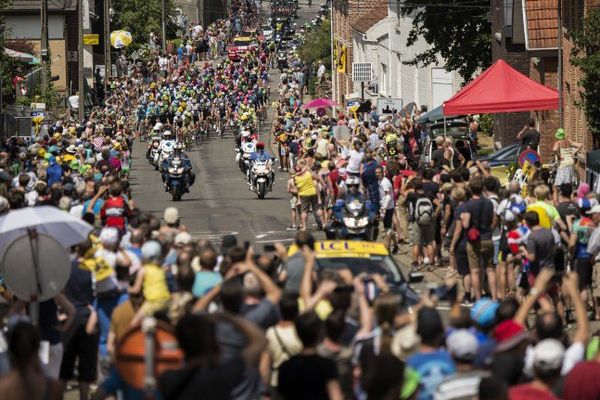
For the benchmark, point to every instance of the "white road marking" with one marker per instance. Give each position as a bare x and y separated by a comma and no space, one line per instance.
274,240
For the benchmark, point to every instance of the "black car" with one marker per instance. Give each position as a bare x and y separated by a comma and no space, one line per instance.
503,157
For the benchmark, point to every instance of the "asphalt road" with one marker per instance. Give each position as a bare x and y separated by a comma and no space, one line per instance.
219,202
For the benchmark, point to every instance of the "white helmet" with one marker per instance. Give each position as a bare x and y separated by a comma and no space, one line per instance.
167,133
158,126
352,180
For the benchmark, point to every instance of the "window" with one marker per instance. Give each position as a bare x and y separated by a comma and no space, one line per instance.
384,80
572,14
507,6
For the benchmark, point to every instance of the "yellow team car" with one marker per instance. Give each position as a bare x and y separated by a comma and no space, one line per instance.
364,258
239,48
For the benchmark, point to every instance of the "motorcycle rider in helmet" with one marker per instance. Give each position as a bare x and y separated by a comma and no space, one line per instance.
189,177
260,155
351,194
154,137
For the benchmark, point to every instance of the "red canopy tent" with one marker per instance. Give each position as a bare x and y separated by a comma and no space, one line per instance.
499,89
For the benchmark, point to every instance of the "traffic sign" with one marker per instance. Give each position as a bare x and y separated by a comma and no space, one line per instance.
91,39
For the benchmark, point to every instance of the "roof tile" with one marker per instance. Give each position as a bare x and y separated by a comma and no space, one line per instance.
372,12
542,22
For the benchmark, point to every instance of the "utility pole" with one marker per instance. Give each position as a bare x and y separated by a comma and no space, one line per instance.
44,45
81,108
107,63
162,22
559,72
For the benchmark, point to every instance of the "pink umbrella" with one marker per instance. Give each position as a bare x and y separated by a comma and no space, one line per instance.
320,103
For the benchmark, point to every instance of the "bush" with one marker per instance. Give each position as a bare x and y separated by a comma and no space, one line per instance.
486,151
486,123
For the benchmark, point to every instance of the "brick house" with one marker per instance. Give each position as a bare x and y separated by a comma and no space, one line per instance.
346,12
23,23
525,35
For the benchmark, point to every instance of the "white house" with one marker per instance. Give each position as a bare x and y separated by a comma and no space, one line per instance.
380,38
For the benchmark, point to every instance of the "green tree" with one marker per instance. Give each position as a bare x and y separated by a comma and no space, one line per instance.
586,56
457,30
7,64
140,17
317,45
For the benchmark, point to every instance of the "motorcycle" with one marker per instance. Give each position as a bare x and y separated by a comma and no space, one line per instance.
175,181
166,153
282,62
262,178
152,152
354,220
243,156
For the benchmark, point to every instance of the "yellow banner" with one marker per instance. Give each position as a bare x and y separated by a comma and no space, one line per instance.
341,67
91,39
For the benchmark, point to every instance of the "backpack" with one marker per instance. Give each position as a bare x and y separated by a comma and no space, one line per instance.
423,211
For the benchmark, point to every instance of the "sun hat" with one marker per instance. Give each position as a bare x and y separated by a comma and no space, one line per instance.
548,354
594,210
182,238
151,250
109,236
462,344
509,334
171,215
483,312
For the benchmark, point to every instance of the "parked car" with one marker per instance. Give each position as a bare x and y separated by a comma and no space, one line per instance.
461,140
503,157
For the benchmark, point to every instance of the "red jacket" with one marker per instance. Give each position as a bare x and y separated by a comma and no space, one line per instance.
115,212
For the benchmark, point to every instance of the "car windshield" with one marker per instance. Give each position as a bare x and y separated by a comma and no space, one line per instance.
241,42
371,265
450,130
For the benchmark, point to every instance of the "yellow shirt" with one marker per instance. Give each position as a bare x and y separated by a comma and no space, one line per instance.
547,213
305,184
155,284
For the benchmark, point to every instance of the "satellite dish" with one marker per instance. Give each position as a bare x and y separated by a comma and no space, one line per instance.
35,267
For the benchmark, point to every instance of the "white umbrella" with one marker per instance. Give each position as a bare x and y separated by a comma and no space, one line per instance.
62,226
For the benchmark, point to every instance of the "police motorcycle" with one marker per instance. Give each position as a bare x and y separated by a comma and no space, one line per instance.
177,175
247,147
154,142
260,175
165,149
353,216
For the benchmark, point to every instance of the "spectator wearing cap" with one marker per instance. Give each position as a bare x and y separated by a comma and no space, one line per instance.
509,355
171,217
462,344
151,280
431,362
547,363
483,315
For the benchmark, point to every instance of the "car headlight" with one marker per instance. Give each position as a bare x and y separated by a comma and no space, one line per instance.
362,222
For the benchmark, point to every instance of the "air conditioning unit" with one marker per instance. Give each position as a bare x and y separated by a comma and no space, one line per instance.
362,72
